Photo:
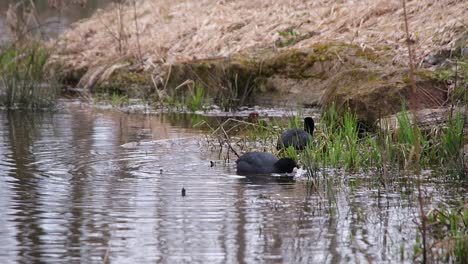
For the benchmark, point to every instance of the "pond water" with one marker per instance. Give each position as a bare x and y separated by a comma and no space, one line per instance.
73,187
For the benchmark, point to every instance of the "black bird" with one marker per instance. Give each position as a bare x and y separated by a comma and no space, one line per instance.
296,137
183,191
263,163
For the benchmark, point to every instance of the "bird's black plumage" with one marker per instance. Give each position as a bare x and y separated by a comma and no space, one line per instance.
263,163
296,137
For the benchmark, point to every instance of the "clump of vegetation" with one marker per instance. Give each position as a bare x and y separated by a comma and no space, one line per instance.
119,100
449,230
116,99
196,100
24,80
451,146
340,143
288,37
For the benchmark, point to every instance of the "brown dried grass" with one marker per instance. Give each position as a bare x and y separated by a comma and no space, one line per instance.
172,31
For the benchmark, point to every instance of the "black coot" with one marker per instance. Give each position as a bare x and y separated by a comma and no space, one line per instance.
296,137
263,163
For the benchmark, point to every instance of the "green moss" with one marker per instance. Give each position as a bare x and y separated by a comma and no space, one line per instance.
318,60
425,74
240,75
406,79
376,93
293,64
126,82
125,77
289,37
368,54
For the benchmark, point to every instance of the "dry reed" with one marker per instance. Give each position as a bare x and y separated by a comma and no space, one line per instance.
172,31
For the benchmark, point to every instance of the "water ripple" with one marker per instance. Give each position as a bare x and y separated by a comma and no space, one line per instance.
82,184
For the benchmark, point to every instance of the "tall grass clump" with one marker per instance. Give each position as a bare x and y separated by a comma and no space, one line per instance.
23,79
261,132
338,144
451,147
350,136
196,101
406,134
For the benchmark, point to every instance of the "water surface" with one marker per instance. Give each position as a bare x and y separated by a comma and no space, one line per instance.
94,186
51,20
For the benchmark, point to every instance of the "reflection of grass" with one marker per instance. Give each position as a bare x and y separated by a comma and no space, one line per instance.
23,77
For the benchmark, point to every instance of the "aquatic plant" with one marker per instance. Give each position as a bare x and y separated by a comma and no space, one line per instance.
24,79
118,100
115,99
408,138
451,147
350,136
291,152
449,232
263,132
196,100
339,144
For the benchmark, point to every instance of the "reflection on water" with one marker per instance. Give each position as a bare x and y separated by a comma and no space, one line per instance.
51,20
72,188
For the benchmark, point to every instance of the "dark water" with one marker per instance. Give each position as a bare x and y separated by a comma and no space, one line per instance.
73,188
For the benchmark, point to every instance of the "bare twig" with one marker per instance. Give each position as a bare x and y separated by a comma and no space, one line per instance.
137,30
417,143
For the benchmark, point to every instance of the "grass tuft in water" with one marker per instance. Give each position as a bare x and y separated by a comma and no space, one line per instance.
451,147
24,79
119,100
338,144
196,101
350,136
407,134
